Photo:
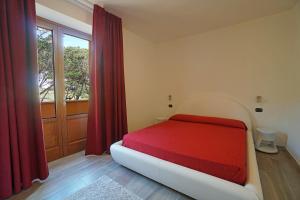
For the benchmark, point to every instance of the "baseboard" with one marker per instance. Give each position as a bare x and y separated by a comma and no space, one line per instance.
294,156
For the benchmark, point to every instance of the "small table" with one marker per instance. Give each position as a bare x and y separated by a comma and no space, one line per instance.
266,140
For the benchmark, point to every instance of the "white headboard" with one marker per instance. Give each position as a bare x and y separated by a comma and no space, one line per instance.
215,105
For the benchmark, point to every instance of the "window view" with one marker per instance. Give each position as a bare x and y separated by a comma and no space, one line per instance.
76,67
45,64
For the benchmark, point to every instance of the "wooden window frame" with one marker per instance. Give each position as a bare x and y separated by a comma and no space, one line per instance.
58,32
61,116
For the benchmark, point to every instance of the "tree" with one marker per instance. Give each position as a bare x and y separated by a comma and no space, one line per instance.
76,66
76,63
45,64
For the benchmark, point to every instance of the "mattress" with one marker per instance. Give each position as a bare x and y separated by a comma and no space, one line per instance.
215,146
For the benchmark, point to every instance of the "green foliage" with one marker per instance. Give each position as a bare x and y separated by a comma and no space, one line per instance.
76,66
45,63
76,62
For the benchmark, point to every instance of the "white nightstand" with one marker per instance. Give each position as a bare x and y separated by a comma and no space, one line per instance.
161,119
265,141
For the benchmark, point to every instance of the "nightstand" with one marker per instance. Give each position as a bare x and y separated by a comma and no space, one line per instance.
266,140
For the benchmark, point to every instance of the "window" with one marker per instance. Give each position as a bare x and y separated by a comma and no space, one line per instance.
45,64
63,61
76,68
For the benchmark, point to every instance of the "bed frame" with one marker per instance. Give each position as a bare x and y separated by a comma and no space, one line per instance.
191,182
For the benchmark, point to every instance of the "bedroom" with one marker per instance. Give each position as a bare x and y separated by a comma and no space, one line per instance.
209,58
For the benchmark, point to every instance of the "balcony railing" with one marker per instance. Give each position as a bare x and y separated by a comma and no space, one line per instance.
73,107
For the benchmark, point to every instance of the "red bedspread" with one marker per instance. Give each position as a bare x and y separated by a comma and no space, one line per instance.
214,146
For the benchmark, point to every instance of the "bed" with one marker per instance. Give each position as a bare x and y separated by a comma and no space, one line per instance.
211,182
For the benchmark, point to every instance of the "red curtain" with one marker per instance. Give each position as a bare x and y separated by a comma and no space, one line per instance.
107,120
22,154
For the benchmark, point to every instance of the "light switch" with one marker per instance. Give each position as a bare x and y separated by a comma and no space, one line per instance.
258,99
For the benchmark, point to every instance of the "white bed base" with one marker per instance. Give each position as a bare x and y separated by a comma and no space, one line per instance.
191,182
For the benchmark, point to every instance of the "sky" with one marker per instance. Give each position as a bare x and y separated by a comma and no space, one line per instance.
75,42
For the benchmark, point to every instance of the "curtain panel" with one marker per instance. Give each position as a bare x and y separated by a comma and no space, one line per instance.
107,119
22,153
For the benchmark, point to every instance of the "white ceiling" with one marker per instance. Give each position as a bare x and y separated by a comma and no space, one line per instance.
160,20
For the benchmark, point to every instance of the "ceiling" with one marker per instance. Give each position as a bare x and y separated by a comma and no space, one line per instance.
161,20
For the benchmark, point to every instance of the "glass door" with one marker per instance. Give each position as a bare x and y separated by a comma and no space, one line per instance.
76,94
63,61
47,88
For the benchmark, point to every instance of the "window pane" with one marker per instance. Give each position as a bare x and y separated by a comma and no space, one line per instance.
76,66
46,72
45,64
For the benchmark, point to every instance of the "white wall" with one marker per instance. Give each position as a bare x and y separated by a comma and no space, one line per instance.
249,59
292,125
69,9
140,80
